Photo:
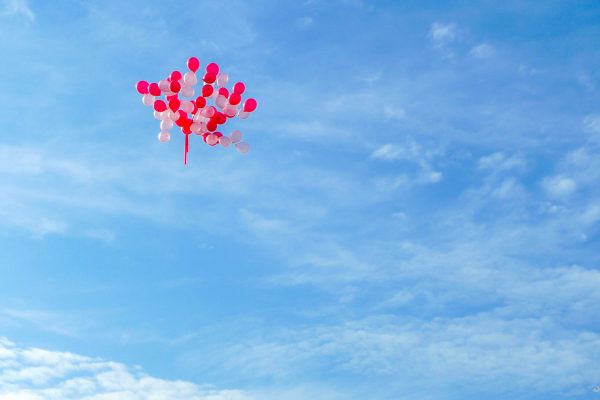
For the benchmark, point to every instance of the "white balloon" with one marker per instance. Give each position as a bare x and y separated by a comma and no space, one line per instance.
187,91
208,112
221,101
164,85
173,115
222,79
158,115
236,136
196,127
243,114
242,147
187,106
212,139
190,78
166,124
230,110
148,99
164,136
225,141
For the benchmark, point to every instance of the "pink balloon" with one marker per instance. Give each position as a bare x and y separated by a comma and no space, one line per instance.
249,105
235,99
239,88
212,68
154,89
160,106
175,76
142,87
193,64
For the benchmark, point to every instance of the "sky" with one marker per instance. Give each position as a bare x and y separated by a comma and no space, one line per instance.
418,218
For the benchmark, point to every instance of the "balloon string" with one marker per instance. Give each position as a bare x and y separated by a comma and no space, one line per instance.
186,148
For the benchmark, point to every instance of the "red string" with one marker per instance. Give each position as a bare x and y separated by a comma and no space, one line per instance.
186,148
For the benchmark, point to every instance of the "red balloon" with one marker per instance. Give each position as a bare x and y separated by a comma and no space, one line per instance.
154,89
182,116
193,64
173,96
235,99
207,90
160,106
204,135
174,104
211,125
209,77
175,76
212,68
142,87
250,105
221,118
224,92
186,129
200,102
175,87
239,88
219,134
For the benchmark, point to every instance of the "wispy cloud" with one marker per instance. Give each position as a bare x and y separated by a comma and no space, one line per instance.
18,8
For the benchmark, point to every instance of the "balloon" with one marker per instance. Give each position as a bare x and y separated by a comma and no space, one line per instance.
211,125
223,92
174,104
187,106
225,141
193,64
173,115
164,85
230,111
236,136
142,87
166,124
242,147
207,90
190,78
153,89
235,99
187,91
212,139
160,106
249,105
148,99
239,88
220,117
200,102
222,79
164,136
175,76
221,101
208,112
209,77
175,86
212,68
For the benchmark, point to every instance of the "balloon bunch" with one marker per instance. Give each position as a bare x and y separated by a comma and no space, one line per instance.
196,115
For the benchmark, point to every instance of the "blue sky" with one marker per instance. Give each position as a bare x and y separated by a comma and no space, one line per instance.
419,217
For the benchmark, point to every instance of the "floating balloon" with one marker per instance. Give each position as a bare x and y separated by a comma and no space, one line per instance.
196,115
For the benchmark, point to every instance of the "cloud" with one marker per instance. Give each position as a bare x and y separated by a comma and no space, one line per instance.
500,162
559,186
33,373
483,51
18,8
443,33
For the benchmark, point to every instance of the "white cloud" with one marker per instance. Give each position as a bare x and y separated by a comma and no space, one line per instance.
442,33
559,186
19,8
483,50
33,373
500,162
